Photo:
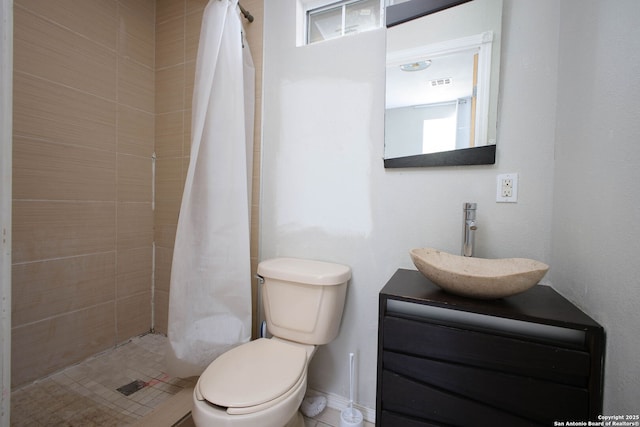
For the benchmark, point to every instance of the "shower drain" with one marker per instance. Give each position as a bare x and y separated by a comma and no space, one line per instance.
132,387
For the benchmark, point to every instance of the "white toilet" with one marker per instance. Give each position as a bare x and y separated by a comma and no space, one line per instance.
262,383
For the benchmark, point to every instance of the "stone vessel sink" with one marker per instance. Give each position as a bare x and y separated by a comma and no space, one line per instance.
480,278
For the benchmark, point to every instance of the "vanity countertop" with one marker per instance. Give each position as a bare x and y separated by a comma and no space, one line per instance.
540,304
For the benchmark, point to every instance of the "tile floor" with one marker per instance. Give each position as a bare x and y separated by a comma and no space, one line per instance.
86,394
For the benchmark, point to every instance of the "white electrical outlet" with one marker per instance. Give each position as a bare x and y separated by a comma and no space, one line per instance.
507,188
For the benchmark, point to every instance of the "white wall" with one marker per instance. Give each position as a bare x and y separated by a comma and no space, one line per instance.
327,196
596,220
568,124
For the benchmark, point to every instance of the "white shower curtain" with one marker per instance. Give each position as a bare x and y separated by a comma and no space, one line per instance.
210,291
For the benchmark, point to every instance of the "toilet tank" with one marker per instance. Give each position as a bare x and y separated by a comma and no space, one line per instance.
303,299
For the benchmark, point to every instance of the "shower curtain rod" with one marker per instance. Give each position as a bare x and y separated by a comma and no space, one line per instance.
246,13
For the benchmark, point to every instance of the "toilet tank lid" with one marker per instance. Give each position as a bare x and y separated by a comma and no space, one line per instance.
304,271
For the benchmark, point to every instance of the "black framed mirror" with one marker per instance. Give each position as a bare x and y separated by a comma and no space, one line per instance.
442,79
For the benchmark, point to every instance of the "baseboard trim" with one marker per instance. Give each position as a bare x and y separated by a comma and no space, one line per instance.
341,403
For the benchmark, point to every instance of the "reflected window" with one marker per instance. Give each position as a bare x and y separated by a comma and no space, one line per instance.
439,135
342,18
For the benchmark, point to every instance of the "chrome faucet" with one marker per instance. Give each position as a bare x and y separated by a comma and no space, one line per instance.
469,228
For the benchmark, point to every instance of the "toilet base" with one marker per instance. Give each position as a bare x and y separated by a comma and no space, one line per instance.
296,421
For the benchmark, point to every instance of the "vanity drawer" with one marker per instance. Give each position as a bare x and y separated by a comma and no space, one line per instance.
486,350
417,400
391,419
541,401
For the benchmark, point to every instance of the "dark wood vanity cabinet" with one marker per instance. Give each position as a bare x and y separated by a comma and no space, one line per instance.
443,360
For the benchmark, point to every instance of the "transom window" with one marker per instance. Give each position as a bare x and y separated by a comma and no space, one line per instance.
337,19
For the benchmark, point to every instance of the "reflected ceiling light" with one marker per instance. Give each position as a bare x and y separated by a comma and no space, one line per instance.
416,66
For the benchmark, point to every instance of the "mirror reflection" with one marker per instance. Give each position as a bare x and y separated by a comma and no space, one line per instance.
442,84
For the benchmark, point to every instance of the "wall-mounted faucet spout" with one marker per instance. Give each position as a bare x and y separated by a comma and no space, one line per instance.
469,228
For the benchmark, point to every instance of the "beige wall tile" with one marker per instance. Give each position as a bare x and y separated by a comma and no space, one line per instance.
49,288
166,213
161,311
84,125
93,19
46,50
172,85
134,272
135,85
48,229
255,29
164,259
137,137
43,347
169,134
135,131
145,8
49,171
196,6
136,18
189,84
136,31
255,232
134,225
165,235
134,316
170,42
254,36
52,112
140,51
256,167
169,183
186,146
169,187
192,36
134,178
170,89
185,167
169,9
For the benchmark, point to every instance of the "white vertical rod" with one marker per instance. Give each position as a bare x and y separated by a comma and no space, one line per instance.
351,380
153,244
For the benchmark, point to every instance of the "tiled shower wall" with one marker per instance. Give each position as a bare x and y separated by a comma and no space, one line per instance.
177,33
99,85
83,141
178,28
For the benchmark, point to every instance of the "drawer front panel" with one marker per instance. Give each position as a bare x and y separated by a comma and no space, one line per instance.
405,396
542,401
390,419
484,350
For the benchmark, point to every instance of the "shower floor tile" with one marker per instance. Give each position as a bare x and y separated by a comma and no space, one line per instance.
86,394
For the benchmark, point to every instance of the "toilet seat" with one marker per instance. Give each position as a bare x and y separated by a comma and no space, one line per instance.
253,376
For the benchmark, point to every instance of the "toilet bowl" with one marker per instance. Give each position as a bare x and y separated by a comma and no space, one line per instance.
262,383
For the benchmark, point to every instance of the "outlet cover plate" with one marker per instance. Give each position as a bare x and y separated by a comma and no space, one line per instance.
507,183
